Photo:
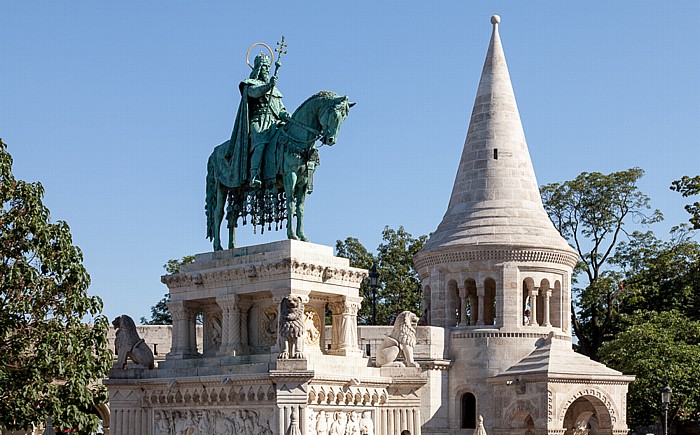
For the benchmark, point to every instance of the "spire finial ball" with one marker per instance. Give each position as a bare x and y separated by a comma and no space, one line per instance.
495,19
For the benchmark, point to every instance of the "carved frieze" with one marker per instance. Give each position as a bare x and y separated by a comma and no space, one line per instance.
328,422
264,270
216,422
335,395
176,395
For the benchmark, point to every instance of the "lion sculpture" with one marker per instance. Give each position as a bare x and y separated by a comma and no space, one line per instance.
291,329
128,344
402,340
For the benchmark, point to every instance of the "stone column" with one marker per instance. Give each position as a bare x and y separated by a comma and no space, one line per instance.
243,307
192,331
547,295
180,338
230,324
463,306
481,293
533,306
473,309
344,327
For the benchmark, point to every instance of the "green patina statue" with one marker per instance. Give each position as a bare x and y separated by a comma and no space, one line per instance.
266,169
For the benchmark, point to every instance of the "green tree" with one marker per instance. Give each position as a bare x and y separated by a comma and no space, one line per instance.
592,212
399,288
658,347
160,313
688,186
50,359
660,275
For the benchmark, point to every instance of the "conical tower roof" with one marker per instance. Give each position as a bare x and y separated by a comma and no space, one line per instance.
495,200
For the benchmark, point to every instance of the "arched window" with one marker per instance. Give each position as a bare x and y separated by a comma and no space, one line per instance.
468,411
453,309
472,301
425,319
528,284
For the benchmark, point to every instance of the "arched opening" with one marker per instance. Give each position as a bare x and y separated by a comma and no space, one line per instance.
468,411
527,305
523,421
102,411
587,415
453,304
472,301
489,301
425,318
556,302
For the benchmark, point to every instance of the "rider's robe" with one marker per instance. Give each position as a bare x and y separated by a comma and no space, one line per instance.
234,165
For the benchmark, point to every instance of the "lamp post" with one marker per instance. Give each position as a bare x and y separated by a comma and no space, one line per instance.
374,284
665,400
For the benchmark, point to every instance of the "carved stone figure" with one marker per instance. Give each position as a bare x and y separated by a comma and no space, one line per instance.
353,426
291,329
128,344
322,424
268,326
338,425
312,326
402,340
366,424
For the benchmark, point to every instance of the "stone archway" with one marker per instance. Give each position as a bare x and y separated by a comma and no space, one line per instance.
102,412
587,415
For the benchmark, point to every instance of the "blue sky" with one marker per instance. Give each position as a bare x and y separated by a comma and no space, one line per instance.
116,106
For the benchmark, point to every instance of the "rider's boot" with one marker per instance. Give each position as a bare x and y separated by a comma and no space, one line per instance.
255,163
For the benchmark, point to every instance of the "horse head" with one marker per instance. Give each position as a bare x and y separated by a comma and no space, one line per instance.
332,118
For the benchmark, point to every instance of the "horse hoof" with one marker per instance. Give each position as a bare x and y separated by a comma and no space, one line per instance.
292,237
304,239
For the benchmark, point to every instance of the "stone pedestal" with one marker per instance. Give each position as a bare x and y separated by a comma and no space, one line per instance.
238,384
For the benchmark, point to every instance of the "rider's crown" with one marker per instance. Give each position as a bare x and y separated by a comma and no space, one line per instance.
262,58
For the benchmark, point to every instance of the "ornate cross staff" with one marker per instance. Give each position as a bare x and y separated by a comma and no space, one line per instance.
280,51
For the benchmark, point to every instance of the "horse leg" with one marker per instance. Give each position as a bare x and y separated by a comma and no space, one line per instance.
290,181
300,194
219,216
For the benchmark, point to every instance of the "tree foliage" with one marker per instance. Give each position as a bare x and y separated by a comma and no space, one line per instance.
660,275
50,359
399,288
592,212
160,313
688,186
658,347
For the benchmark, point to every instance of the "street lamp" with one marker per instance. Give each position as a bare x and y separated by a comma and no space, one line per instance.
665,400
374,284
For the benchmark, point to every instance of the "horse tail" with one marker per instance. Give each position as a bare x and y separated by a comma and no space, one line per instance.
211,198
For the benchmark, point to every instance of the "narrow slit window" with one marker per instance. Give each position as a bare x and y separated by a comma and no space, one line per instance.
495,153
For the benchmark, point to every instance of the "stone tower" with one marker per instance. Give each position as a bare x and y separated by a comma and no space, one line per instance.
496,275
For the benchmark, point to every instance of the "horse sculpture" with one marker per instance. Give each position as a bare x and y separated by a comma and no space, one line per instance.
290,159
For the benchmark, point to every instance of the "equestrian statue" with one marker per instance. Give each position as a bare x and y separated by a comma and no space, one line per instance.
264,172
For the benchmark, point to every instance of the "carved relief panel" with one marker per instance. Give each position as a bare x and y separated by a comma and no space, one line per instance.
214,422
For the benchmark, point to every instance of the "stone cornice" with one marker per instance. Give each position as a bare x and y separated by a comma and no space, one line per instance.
424,260
283,268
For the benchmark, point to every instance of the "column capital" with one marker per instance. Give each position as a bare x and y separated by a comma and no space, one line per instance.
227,300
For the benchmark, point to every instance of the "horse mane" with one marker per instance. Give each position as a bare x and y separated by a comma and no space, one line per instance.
327,95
